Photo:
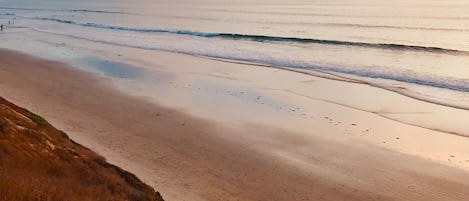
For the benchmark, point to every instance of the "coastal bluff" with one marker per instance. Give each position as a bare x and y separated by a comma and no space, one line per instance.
40,162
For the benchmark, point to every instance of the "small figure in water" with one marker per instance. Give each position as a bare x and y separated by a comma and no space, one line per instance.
1,28
8,21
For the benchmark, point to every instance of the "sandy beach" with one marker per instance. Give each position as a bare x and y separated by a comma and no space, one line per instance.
215,131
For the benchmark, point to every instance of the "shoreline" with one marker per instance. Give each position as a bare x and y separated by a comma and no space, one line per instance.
312,72
335,77
209,160
338,77
443,116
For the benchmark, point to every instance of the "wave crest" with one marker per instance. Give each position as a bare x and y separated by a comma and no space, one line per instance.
263,38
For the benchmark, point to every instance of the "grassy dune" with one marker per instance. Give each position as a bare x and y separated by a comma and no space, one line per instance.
40,163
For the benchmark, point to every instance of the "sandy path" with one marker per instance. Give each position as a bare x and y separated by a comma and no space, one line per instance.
188,158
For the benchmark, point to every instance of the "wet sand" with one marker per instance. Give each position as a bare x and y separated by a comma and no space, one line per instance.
188,157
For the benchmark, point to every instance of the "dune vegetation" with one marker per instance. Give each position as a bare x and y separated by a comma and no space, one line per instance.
39,162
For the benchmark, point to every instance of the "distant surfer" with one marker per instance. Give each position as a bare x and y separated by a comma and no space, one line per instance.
1,28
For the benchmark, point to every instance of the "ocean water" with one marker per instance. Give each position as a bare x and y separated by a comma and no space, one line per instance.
419,48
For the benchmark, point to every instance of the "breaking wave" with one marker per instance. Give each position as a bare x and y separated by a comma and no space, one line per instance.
264,38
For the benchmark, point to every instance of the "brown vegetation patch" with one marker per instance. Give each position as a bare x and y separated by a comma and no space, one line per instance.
40,163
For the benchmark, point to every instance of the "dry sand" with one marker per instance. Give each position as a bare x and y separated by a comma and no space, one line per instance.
190,158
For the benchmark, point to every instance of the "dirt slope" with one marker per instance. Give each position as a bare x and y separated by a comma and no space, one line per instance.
39,162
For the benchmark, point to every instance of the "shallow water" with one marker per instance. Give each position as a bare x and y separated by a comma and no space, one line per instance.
420,48
114,69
